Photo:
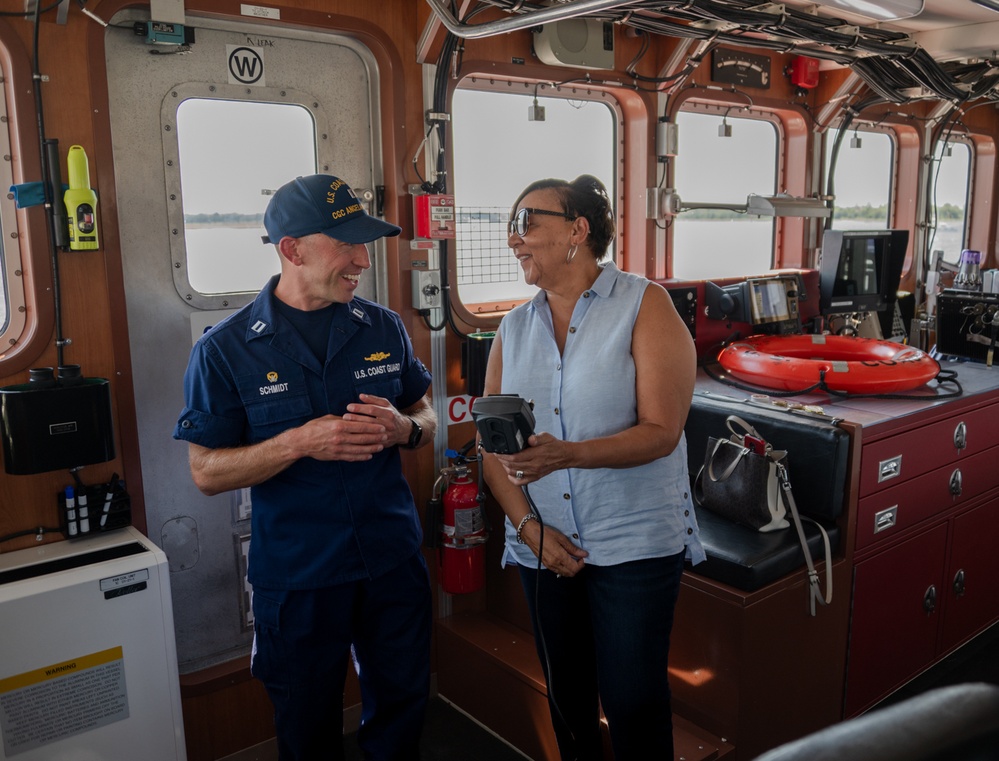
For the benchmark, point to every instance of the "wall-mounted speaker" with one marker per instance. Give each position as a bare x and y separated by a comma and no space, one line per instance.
583,43
52,424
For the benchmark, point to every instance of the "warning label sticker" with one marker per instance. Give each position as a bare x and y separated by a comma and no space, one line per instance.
65,699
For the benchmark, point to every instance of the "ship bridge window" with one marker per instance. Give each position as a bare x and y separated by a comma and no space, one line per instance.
504,141
950,198
12,303
723,157
232,155
862,179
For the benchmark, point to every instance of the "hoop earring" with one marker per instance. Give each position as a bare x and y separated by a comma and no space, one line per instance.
571,254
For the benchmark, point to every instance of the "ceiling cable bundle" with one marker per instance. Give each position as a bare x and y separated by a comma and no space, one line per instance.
890,62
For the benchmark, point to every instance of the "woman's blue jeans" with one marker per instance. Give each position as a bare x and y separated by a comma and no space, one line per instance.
603,640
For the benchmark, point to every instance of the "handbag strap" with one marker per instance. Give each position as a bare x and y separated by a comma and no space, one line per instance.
814,590
746,427
730,468
737,437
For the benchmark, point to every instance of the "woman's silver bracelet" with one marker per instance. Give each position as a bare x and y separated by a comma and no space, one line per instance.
520,526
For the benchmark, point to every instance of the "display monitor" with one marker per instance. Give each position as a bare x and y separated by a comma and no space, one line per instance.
769,304
769,300
860,270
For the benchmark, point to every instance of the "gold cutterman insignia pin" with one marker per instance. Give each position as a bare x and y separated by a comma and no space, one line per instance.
378,356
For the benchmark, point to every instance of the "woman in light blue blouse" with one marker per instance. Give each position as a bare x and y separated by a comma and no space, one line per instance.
599,517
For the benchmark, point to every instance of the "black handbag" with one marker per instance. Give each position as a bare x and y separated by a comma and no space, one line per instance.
744,479
739,481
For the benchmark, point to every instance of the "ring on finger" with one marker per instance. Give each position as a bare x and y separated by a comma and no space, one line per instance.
519,475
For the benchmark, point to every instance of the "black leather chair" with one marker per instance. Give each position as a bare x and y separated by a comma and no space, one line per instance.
958,723
817,464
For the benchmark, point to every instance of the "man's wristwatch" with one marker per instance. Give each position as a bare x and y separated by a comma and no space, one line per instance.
415,435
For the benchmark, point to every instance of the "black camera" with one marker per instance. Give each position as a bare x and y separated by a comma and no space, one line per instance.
504,422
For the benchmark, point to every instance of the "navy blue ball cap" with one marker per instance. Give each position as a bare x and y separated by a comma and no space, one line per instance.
322,203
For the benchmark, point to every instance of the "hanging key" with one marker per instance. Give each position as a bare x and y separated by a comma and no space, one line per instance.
993,318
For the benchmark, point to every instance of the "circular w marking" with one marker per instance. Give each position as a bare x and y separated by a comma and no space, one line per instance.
246,66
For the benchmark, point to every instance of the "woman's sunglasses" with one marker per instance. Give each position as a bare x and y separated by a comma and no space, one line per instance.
521,223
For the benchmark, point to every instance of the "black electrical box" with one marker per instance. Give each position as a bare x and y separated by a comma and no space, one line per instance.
475,357
967,323
55,424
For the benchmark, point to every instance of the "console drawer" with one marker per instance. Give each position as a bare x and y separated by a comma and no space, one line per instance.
896,508
887,462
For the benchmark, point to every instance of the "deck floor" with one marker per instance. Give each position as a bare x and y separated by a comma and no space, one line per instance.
977,661
451,736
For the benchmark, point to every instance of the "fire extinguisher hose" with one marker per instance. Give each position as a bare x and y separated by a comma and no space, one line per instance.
433,518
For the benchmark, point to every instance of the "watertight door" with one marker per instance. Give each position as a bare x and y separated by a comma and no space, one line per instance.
200,138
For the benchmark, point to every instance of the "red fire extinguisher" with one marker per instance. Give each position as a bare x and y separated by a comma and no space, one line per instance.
463,531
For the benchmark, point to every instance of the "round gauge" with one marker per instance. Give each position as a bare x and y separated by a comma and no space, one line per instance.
737,67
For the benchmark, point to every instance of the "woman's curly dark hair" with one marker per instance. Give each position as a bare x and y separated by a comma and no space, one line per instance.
586,197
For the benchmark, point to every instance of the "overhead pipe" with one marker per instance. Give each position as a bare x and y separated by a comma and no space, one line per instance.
536,18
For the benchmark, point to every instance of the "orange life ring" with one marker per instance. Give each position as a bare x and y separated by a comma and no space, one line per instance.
852,365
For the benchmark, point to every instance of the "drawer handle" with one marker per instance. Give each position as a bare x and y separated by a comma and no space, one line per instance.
885,519
956,482
959,583
930,599
961,436
891,468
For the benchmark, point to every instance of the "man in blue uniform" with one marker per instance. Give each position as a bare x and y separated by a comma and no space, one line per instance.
306,396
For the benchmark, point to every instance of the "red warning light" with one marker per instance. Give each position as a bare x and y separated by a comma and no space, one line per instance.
805,71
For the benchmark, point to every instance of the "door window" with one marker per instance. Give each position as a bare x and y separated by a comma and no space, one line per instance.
226,180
